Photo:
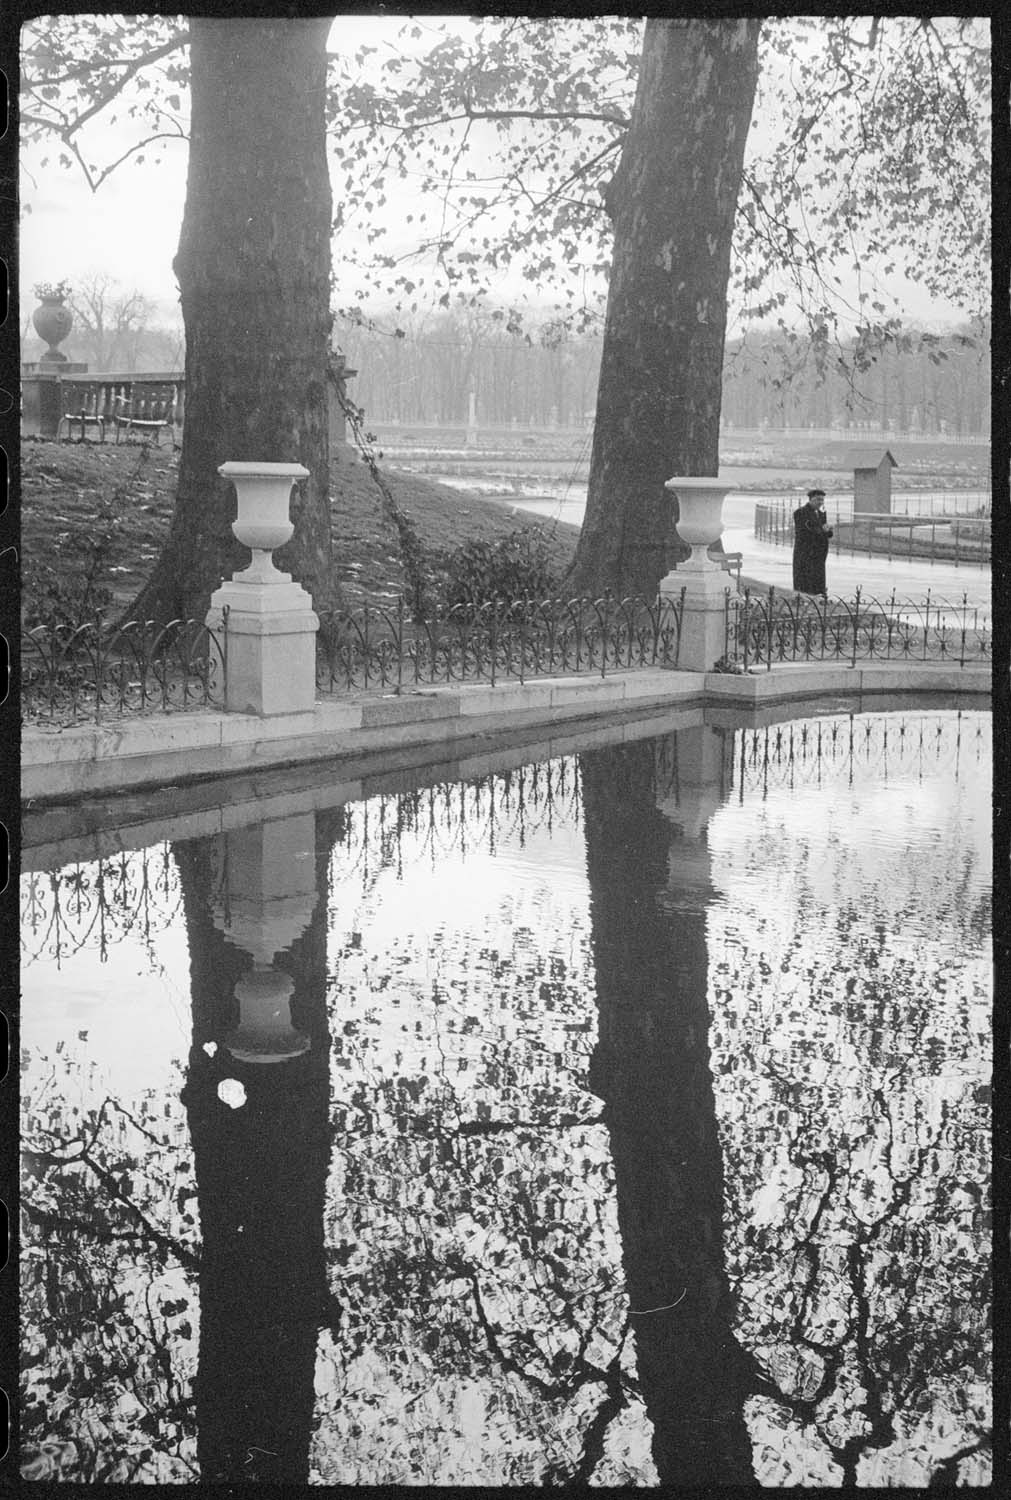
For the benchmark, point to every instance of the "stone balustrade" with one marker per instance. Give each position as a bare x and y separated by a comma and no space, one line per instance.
48,399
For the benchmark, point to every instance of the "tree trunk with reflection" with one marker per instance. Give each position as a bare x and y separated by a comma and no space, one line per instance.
261,1173
651,1068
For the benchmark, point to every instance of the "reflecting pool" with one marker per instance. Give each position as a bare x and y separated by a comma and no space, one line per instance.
620,1119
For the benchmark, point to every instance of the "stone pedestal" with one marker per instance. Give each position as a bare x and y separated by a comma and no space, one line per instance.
269,638
700,524
42,405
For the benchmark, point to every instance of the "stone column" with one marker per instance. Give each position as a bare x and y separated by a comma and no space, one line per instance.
269,640
700,523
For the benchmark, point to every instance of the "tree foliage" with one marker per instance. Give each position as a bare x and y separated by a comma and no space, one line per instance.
872,149
126,72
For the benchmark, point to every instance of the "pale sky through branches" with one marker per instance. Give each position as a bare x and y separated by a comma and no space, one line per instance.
129,229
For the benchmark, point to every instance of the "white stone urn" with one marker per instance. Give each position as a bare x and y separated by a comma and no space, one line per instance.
268,638
700,518
699,582
263,522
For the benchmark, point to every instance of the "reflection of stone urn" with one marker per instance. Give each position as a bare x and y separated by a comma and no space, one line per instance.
52,321
266,894
265,1033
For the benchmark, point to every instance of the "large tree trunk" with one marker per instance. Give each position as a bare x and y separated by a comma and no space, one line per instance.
673,201
253,267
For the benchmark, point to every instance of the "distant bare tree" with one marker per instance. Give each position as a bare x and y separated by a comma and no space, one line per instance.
109,321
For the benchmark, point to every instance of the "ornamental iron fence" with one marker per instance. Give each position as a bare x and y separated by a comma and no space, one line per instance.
72,674
383,647
764,629
957,531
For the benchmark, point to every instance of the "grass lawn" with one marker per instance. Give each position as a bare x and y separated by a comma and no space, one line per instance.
65,487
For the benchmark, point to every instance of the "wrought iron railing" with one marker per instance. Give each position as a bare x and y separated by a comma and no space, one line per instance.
73,674
955,528
764,629
376,647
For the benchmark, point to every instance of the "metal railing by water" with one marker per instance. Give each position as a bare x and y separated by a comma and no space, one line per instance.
376,647
951,528
75,674
764,629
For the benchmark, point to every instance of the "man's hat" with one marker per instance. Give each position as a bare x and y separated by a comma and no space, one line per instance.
812,493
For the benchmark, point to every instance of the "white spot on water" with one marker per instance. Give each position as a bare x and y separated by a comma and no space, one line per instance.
231,1092
210,1048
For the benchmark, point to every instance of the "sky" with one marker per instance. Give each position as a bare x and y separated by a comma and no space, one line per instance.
130,228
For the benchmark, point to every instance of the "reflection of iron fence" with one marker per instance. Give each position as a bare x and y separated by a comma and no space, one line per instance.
763,629
456,818
816,751
76,674
375,647
96,905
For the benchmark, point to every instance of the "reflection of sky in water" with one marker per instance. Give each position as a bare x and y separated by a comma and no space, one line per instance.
849,994
846,1070
134,1010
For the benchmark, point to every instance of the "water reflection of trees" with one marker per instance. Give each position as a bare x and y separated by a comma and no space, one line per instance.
109,1308
767,1242
470,1221
853,1114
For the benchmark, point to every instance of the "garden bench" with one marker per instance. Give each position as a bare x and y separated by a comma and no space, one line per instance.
730,562
86,421
154,419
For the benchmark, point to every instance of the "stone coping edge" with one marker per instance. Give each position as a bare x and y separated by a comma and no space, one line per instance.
171,748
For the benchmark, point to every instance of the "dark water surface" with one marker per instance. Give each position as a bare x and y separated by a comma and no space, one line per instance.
618,1119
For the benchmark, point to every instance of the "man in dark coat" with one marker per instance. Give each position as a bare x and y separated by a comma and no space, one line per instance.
811,533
